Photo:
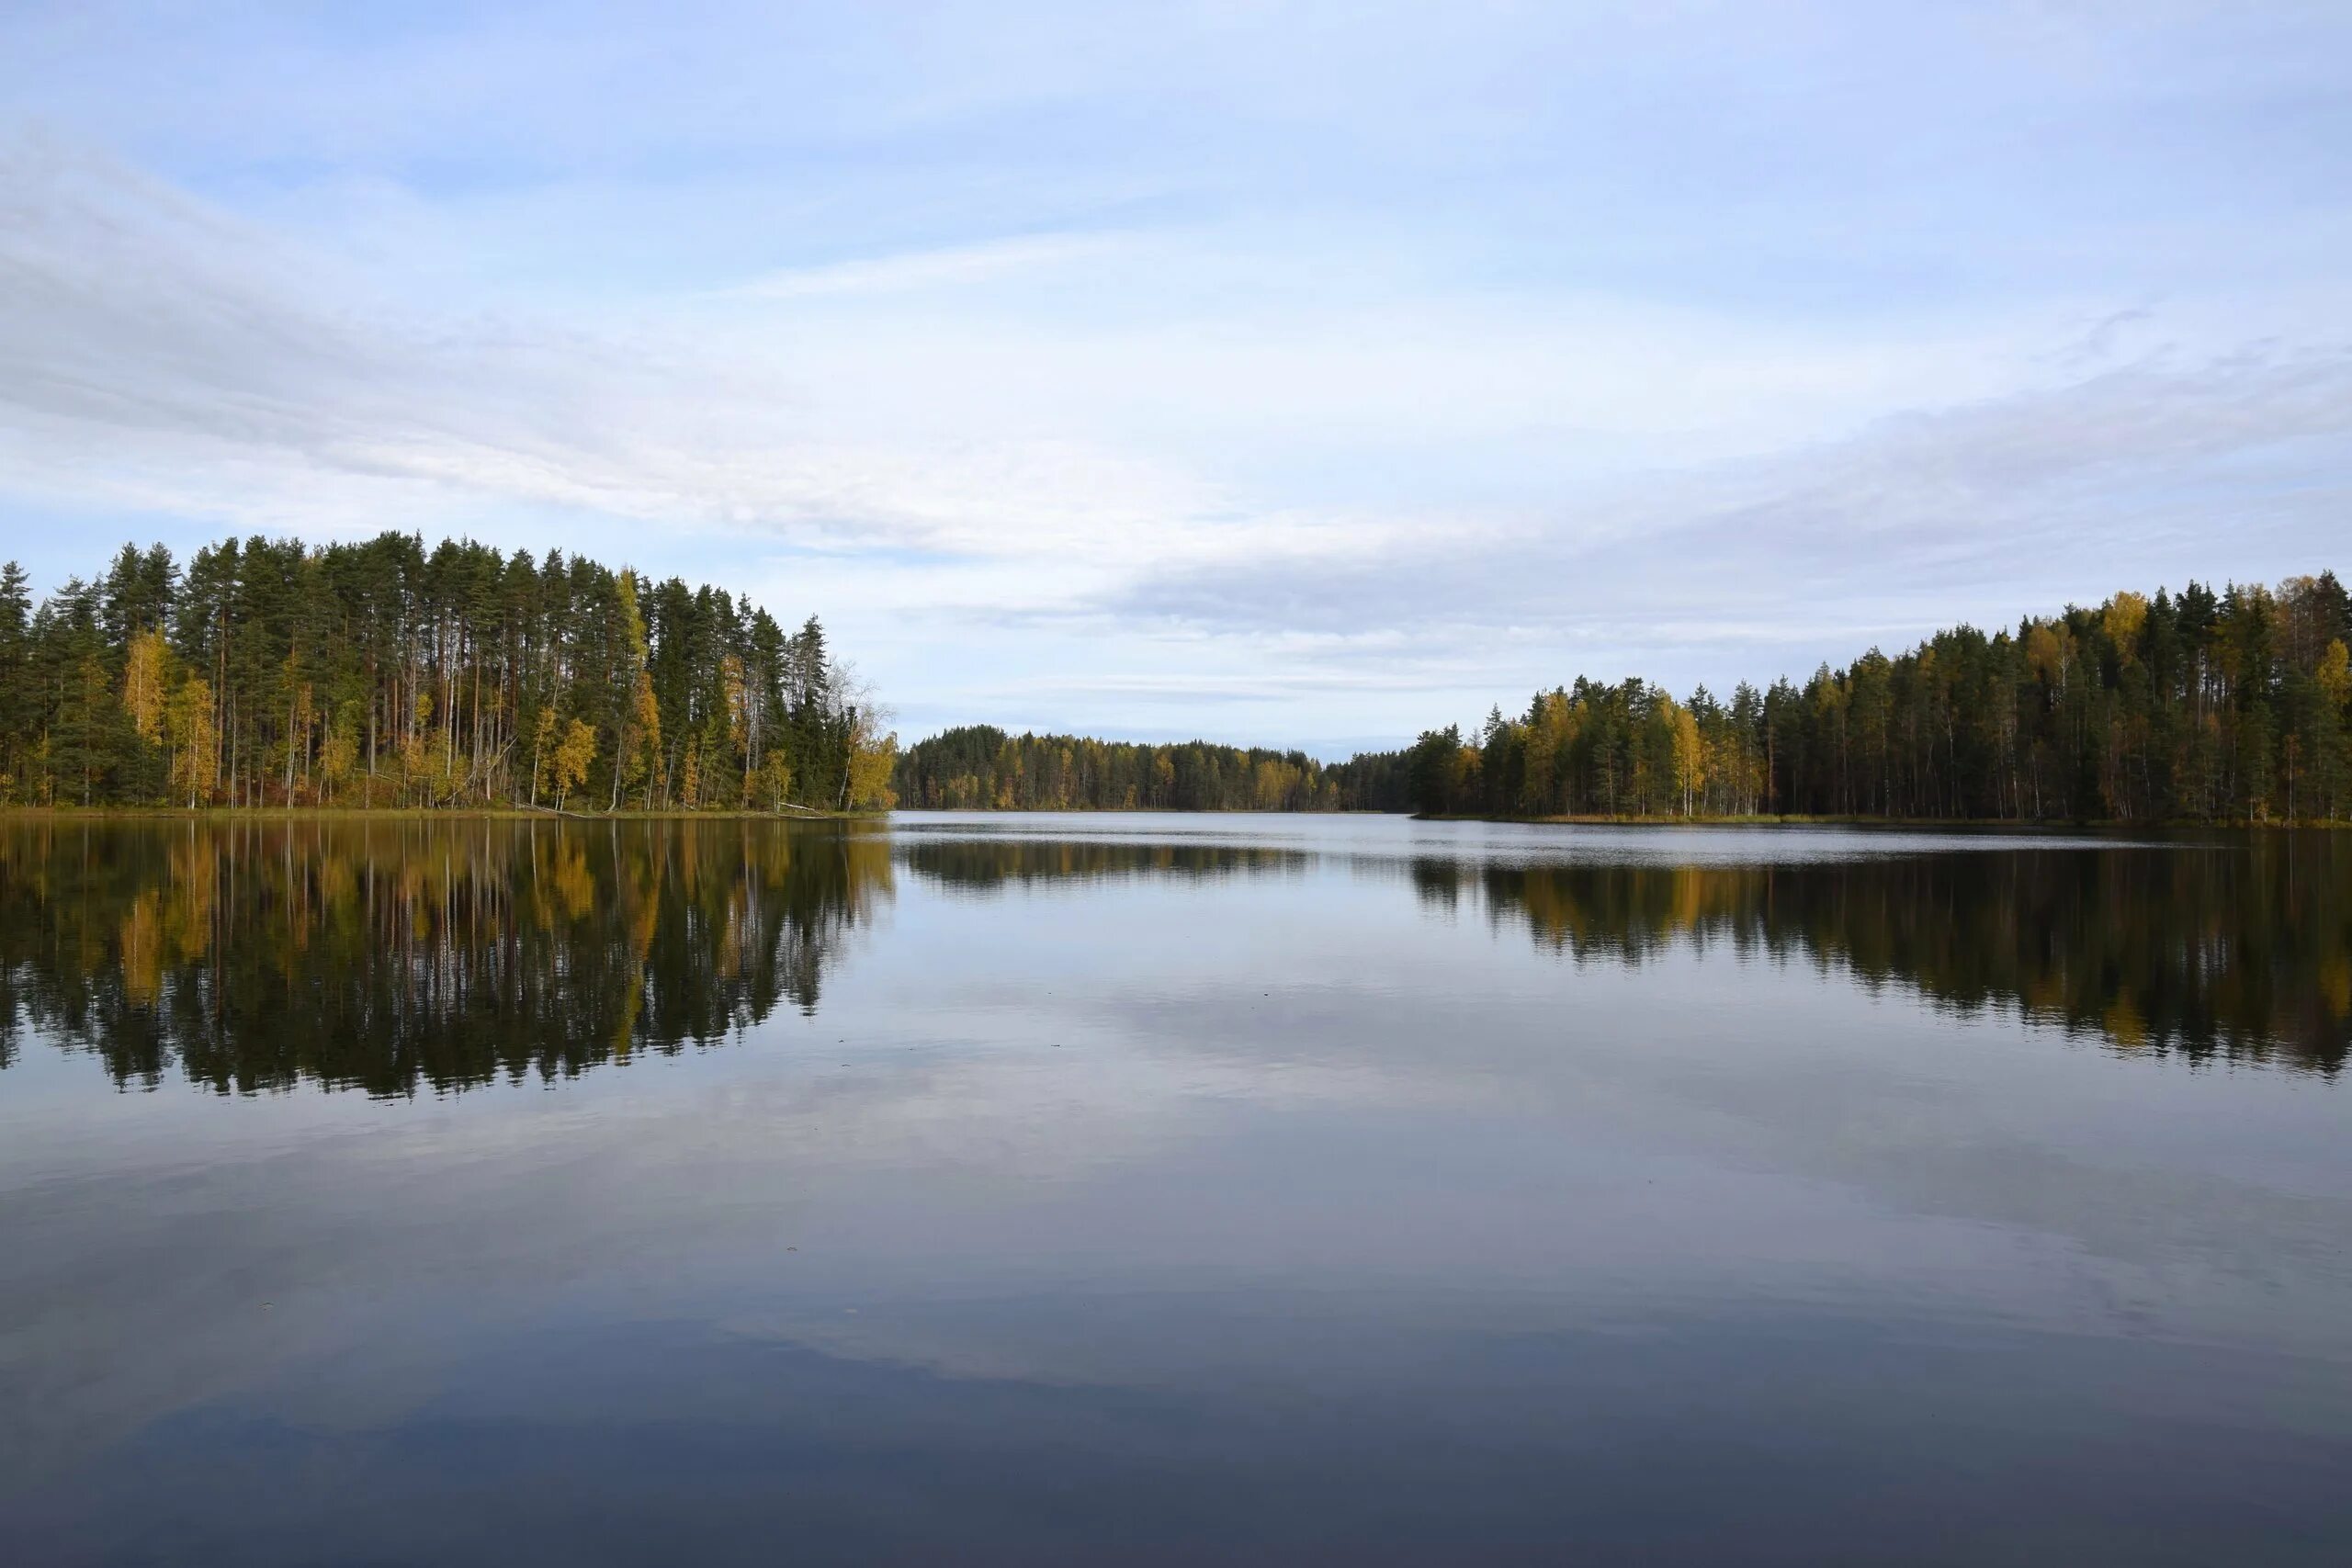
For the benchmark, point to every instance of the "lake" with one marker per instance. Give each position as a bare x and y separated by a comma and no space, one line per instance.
1171,1188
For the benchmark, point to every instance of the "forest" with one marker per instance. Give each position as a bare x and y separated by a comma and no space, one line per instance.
379,674
979,767
2205,706
266,673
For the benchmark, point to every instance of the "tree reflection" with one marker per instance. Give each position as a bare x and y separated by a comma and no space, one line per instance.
2233,949
387,955
2238,951
986,864
390,955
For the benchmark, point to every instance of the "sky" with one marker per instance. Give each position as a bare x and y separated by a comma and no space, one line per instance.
1301,374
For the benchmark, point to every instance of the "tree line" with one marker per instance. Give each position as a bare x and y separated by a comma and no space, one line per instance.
2213,706
269,672
980,767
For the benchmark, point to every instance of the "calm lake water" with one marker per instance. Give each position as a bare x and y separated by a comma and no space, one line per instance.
1132,1189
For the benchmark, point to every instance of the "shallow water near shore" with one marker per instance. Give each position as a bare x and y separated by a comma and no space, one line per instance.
1139,1187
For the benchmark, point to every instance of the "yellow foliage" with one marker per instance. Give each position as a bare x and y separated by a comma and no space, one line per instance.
642,746
2336,986
774,781
573,757
870,764
196,752
1689,755
339,754
2335,672
2050,653
2125,616
146,678
142,945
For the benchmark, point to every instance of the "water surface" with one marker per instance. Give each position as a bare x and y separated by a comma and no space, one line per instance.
1079,1189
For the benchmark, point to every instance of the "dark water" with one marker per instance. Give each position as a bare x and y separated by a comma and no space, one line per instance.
1149,1189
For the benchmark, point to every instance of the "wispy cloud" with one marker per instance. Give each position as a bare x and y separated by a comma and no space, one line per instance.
155,352
2141,475
1332,370
929,269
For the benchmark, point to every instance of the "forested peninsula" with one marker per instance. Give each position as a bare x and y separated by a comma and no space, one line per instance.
2203,706
379,674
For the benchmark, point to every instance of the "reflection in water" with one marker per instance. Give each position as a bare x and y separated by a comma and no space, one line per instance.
1360,1190
387,955
987,865
2242,951
2238,949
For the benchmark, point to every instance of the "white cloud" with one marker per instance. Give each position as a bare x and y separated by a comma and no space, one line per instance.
924,270
1305,365
154,352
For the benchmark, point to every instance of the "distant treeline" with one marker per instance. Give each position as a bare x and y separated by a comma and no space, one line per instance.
380,675
2201,705
979,767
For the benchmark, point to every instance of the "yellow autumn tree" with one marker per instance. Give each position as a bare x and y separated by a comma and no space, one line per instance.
195,740
871,759
147,674
641,751
2125,615
2334,673
771,785
339,753
573,758
1690,757
146,684
2050,653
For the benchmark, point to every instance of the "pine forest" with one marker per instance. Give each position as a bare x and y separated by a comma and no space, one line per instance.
2197,707
382,675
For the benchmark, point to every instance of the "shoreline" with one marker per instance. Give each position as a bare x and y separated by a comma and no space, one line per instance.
410,813
810,813
1794,820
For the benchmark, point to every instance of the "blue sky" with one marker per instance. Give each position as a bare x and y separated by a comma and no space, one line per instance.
1304,374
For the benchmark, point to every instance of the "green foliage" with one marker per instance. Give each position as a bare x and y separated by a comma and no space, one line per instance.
382,675
979,767
2203,706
